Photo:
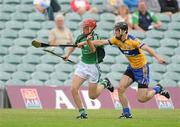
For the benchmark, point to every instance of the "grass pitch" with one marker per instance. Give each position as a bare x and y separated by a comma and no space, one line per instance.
97,118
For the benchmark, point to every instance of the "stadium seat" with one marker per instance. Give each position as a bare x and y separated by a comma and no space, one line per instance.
158,67
12,1
24,8
115,83
173,67
154,34
53,82
72,25
8,33
103,34
34,82
168,83
176,59
3,51
2,25
22,42
14,25
12,59
45,68
166,58
167,42
176,17
163,17
65,5
16,82
103,25
36,17
6,67
105,68
163,27
64,68
19,16
77,52
67,82
119,68
178,83
16,50
21,75
26,33
172,34
35,51
72,16
109,17
7,8
149,59
109,59
26,67
138,34
113,51
174,26
38,75
97,2
59,76
172,75
6,42
4,16
50,59
114,76
31,59
121,59
152,83
4,76
47,25
156,76
43,33
154,43
1,59
177,51
76,33
91,15
32,25
165,51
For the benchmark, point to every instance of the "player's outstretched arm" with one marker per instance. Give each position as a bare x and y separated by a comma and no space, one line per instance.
153,53
95,42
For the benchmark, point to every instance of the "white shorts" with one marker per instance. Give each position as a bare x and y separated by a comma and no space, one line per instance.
91,72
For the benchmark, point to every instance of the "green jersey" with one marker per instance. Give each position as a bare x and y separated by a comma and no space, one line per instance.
87,56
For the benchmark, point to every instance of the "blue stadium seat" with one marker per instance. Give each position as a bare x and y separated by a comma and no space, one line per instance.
15,25
31,59
168,83
16,82
26,33
16,50
154,43
4,76
53,82
6,42
172,75
64,68
23,42
12,59
173,67
119,68
32,25
105,68
3,51
8,33
19,16
59,76
167,42
158,67
48,24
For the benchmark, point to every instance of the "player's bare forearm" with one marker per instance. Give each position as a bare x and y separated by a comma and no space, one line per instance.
69,51
100,42
91,46
153,53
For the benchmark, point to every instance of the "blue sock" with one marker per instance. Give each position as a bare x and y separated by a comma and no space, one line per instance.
157,89
126,111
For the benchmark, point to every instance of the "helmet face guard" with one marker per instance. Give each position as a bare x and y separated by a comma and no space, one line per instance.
122,28
87,24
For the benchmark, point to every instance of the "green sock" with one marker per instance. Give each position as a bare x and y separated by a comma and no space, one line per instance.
103,82
82,111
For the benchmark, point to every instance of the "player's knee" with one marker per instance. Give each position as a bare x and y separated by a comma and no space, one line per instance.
74,90
121,89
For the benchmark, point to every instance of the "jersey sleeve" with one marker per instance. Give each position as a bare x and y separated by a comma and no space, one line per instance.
135,18
138,43
112,41
154,17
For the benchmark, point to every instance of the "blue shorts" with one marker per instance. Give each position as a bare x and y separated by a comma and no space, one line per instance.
140,75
